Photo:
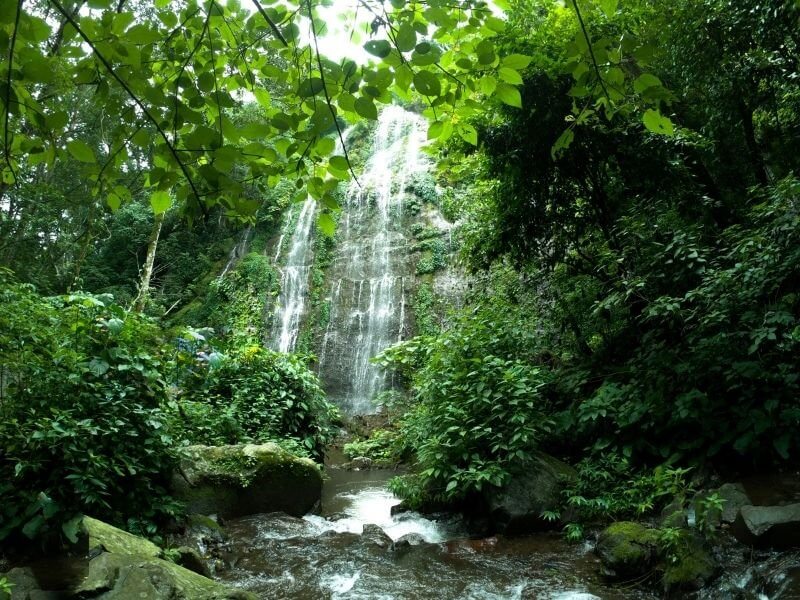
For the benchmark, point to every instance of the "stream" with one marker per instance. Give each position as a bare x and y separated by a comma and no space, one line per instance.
338,554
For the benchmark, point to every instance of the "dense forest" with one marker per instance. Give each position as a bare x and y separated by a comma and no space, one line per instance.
615,186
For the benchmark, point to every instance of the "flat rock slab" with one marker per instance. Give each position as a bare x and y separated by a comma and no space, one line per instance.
768,526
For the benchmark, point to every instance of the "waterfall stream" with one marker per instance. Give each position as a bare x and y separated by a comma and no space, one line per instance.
370,273
294,280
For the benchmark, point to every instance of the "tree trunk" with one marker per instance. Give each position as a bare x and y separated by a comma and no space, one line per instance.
147,271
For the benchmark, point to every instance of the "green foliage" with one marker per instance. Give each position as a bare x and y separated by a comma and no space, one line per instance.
609,488
83,426
425,311
255,395
384,446
237,302
477,407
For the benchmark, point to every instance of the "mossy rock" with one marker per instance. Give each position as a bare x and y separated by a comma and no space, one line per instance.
628,549
234,481
534,487
109,538
688,566
123,577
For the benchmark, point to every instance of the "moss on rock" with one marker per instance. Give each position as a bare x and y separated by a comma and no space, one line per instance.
688,566
116,540
628,549
233,481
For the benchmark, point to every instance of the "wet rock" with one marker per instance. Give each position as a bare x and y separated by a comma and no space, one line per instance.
688,566
734,497
97,535
674,515
401,508
234,481
204,530
189,558
627,549
23,583
377,536
123,577
536,487
408,540
773,526
360,463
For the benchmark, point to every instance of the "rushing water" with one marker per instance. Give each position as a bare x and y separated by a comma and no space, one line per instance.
339,555
294,280
370,274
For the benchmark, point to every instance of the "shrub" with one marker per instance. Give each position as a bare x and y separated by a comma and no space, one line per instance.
257,395
82,425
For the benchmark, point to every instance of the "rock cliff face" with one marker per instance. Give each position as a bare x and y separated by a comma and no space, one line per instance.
385,273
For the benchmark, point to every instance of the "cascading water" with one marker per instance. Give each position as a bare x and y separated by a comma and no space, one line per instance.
370,271
294,281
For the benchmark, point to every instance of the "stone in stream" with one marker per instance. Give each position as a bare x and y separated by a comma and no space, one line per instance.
234,481
408,540
376,536
627,549
536,487
119,566
768,526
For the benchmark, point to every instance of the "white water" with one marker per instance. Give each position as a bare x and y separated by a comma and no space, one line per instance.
294,281
368,290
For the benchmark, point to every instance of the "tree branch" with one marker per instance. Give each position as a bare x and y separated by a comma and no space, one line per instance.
133,97
327,95
6,144
272,25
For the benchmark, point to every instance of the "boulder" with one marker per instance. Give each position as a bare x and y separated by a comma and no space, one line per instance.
535,487
688,566
102,536
768,526
376,536
234,481
189,558
627,549
734,498
408,540
23,583
123,577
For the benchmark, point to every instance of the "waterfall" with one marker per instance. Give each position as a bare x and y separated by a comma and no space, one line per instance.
294,280
370,269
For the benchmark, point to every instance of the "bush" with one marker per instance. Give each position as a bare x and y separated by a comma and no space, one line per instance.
256,395
82,425
478,409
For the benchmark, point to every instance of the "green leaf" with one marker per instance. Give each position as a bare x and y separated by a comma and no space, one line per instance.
427,84
310,87
379,48
488,85
645,82
33,526
435,130
339,163
509,95
516,61
609,7
468,133
509,76
562,143
366,108
326,224
160,201
451,485
113,202
655,122
81,151
71,528
406,38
